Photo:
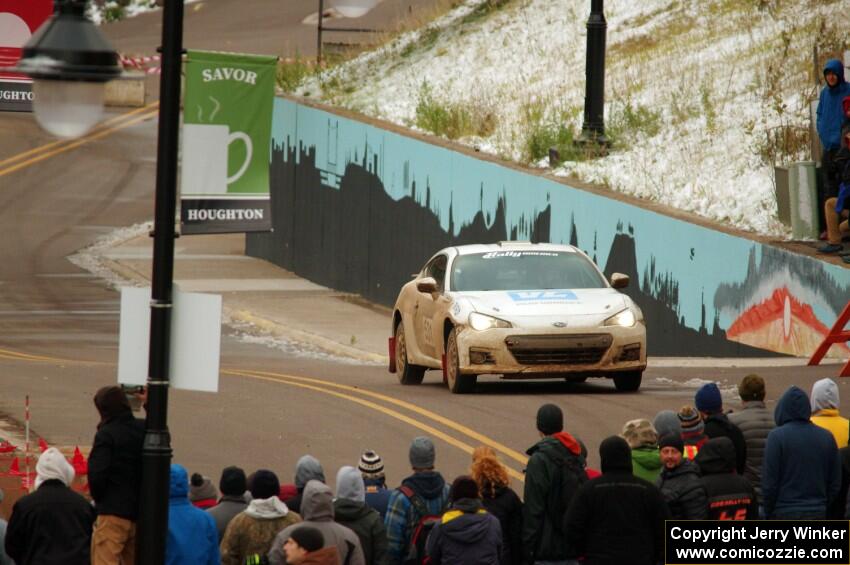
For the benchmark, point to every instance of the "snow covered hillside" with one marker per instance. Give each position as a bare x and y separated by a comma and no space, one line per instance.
702,97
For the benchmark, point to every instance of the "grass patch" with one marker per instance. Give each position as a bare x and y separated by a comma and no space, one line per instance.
483,10
292,72
630,120
450,119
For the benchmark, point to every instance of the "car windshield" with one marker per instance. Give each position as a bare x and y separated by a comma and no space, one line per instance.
524,270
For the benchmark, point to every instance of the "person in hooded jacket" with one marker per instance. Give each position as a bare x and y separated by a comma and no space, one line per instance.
233,486
825,404
730,496
830,119
467,534
252,531
307,469
554,464
643,439
617,518
755,422
114,476
318,512
500,500
679,481
802,471
426,483
351,511
53,524
192,537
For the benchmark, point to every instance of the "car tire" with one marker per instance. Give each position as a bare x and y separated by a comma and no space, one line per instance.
407,374
628,381
458,384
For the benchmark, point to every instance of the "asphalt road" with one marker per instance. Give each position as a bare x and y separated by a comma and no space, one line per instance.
59,324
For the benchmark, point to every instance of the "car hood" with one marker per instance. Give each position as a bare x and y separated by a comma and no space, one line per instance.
588,306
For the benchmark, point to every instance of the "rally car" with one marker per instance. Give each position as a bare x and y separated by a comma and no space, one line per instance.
519,310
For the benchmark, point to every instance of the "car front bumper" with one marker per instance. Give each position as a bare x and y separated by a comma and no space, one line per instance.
543,352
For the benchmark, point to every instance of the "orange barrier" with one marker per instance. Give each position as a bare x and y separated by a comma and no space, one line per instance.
838,334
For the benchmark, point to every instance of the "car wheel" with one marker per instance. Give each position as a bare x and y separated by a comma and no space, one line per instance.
628,381
407,374
458,383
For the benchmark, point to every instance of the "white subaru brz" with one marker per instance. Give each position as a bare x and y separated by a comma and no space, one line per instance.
520,310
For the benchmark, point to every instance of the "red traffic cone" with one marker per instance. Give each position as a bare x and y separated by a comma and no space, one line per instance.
14,468
6,447
81,466
42,445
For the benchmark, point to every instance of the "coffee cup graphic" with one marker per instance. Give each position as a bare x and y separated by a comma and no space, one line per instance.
206,148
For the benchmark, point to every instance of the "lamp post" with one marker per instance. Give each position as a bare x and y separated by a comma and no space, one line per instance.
593,128
69,60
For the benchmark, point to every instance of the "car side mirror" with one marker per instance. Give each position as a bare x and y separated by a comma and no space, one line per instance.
427,285
619,280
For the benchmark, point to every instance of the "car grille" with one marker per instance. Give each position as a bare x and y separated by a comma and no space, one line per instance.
583,349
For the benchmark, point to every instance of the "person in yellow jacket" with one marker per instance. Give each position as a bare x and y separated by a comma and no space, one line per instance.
825,414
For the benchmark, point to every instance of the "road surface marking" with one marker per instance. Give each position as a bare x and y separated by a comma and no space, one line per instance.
73,145
18,356
99,128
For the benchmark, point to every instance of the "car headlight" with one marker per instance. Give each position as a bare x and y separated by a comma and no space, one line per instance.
481,322
626,319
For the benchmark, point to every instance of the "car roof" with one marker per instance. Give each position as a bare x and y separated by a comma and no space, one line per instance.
513,246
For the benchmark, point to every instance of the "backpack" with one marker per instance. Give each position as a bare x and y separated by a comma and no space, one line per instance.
568,477
424,524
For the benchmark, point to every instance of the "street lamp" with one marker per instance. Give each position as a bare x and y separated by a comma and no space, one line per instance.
593,129
66,51
70,63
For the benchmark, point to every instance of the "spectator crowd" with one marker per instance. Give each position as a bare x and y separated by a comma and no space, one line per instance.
701,461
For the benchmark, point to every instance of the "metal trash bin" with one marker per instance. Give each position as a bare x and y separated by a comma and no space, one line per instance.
802,188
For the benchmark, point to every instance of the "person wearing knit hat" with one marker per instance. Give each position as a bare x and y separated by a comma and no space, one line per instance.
642,439
371,466
467,534
252,531
679,481
233,485
53,524
618,517
709,402
425,483
306,546
667,422
202,493
755,422
693,430
115,476
556,456
350,510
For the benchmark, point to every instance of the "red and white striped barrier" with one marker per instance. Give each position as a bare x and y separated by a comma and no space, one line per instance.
149,65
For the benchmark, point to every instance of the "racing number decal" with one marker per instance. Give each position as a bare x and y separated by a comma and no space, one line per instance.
428,331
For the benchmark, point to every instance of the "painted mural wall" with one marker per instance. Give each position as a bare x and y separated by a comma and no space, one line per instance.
359,208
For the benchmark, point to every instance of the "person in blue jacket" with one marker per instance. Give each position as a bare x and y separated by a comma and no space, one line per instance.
192,535
801,476
830,118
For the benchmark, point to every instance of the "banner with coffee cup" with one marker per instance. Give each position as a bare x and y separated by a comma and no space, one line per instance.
226,138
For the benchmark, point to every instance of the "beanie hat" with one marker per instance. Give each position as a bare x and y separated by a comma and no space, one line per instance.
201,488
751,387
672,440
233,482
639,433
707,399
463,487
310,539
615,455
667,422
690,420
371,465
550,419
264,484
422,453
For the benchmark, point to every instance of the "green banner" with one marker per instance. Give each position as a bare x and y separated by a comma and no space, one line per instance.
226,137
